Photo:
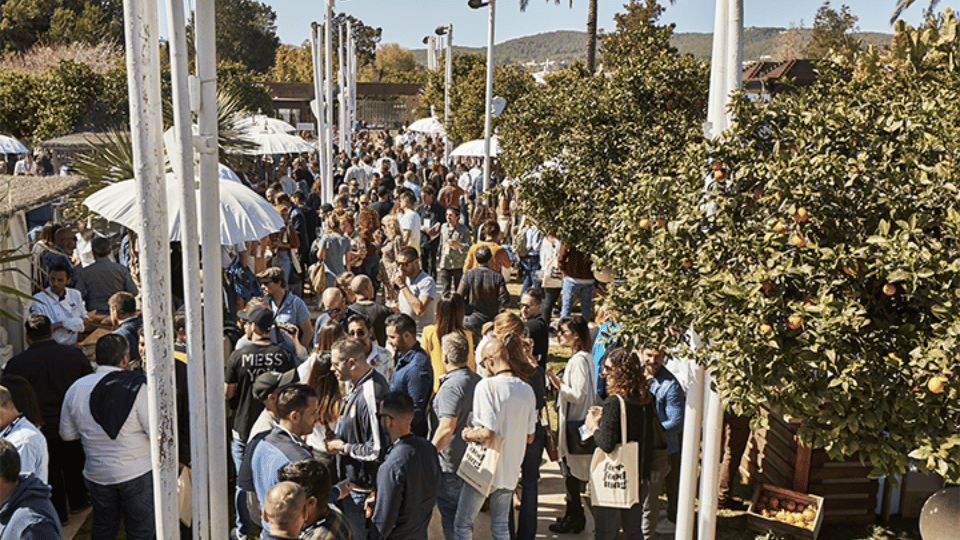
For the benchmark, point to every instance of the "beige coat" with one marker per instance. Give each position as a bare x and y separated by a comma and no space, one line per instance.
576,396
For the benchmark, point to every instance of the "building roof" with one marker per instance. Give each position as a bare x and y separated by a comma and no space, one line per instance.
27,192
765,76
80,140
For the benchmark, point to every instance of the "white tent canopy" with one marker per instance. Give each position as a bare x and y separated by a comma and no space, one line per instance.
244,215
430,126
474,148
9,145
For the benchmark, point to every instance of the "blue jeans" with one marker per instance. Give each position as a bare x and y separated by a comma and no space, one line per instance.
447,498
237,446
572,290
501,508
530,265
131,500
529,477
355,514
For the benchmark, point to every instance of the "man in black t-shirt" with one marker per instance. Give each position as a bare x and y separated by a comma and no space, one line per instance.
530,303
243,367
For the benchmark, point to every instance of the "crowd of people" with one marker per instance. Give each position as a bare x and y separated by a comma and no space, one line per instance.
372,349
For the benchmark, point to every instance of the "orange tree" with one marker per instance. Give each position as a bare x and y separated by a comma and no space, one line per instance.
820,262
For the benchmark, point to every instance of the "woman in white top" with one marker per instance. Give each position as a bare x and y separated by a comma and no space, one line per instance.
504,409
576,394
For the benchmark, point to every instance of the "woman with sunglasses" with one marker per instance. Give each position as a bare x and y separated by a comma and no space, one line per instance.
575,396
625,379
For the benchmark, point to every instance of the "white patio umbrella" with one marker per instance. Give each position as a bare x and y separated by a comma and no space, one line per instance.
474,148
259,121
430,126
9,145
244,215
271,142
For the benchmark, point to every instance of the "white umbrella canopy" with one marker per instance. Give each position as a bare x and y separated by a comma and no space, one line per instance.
474,148
244,215
258,122
9,145
271,142
431,126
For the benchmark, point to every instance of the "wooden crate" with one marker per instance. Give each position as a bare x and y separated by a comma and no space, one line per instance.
759,523
774,456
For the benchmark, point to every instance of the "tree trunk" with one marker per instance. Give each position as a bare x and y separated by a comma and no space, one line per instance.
591,35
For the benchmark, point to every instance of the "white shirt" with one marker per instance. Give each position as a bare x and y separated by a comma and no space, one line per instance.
507,406
31,445
421,285
410,221
109,461
70,311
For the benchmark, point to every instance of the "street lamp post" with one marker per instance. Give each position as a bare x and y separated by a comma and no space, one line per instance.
448,78
477,4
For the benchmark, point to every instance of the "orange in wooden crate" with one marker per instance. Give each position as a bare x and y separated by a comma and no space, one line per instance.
785,512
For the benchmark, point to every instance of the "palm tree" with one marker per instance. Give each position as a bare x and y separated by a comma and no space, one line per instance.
904,4
592,29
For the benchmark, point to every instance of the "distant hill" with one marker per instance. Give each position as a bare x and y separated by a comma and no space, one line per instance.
569,45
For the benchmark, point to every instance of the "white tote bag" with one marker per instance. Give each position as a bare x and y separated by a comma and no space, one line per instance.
615,477
479,464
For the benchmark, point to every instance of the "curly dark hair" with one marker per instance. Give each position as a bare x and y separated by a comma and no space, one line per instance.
626,376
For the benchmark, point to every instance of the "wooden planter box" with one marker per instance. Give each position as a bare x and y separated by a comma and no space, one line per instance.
756,521
773,456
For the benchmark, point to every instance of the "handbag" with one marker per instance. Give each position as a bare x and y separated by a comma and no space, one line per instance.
549,439
576,445
615,476
479,464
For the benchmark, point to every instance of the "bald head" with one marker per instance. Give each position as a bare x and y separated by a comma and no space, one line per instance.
362,286
283,509
332,297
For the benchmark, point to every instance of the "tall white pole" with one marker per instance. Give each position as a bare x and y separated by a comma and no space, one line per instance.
318,111
352,60
328,73
146,125
692,424
213,357
488,103
352,80
725,77
447,79
342,77
182,161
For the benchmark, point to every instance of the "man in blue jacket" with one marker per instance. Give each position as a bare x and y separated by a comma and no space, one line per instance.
26,512
414,372
669,402
408,479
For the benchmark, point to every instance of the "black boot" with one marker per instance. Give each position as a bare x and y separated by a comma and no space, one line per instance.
568,524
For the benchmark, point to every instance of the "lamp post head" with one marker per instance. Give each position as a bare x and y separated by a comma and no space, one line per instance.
477,4
441,31
426,40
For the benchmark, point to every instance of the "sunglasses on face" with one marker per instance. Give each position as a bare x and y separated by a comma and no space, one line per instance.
333,311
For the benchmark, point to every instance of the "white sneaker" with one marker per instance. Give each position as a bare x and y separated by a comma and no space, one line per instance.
235,534
666,527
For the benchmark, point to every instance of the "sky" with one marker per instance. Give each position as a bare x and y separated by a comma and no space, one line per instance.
407,21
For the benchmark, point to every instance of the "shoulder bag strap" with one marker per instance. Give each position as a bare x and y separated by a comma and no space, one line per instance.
623,420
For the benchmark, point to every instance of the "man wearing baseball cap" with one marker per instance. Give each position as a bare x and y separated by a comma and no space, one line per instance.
243,367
